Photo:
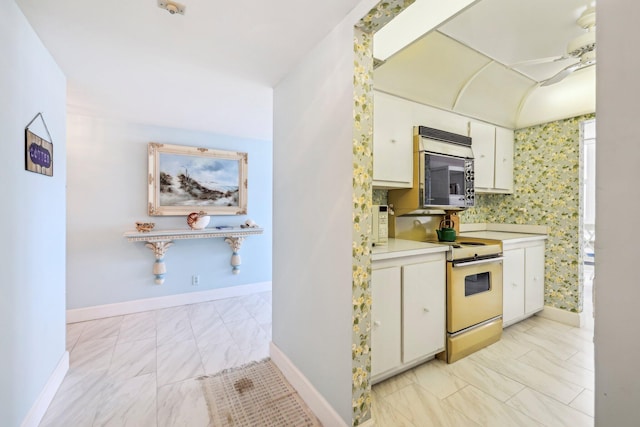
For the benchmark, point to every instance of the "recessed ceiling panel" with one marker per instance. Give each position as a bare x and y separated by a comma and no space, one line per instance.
494,95
430,71
573,96
513,31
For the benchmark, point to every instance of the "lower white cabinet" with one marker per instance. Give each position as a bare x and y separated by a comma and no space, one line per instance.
534,279
512,286
423,309
385,319
523,281
408,312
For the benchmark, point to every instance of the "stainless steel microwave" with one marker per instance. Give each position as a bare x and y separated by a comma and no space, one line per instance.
446,169
443,174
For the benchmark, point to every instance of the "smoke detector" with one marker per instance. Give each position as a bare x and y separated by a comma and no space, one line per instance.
171,7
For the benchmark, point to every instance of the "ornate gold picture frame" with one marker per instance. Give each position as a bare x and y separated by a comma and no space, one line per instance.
192,179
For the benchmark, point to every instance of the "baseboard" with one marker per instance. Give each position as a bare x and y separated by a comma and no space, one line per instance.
562,316
465,228
316,402
43,401
519,228
509,228
136,306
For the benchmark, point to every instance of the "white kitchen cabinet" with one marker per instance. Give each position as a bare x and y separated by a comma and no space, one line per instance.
503,168
523,281
513,292
407,313
423,309
392,142
385,319
493,158
534,279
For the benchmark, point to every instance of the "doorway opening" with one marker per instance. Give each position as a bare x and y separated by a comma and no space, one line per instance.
588,141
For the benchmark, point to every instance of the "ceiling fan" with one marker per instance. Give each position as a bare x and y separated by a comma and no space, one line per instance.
582,47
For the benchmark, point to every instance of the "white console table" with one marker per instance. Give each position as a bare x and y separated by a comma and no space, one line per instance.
159,241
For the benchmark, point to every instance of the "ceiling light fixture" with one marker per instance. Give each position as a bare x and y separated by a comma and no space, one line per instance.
171,7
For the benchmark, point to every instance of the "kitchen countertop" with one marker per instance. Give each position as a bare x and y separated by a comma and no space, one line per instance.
511,237
400,247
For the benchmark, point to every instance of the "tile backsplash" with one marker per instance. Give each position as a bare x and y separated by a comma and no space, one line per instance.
380,197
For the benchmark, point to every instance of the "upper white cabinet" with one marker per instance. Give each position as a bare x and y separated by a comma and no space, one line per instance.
503,178
493,158
392,142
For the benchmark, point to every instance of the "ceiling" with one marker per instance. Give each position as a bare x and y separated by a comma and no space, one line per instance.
212,69
479,63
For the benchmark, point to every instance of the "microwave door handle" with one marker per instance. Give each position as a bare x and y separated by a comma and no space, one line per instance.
480,261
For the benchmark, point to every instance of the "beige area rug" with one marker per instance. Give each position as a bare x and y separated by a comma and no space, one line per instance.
256,394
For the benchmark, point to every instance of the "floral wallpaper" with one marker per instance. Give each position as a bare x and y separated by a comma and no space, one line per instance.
547,186
362,201
380,197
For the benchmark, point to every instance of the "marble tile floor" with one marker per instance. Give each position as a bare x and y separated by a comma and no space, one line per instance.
140,369
541,373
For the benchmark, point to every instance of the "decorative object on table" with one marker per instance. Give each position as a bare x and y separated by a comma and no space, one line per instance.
145,227
38,151
187,179
249,224
198,220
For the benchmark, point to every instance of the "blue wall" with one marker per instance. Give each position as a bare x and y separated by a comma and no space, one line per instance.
107,194
32,220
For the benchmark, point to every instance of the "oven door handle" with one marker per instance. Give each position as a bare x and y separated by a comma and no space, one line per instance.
480,261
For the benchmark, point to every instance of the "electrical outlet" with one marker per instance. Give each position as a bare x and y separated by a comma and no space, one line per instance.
195,280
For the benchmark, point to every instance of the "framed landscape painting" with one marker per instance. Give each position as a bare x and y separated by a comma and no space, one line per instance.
193,179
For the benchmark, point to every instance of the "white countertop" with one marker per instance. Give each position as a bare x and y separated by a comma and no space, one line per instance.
400,247
505,236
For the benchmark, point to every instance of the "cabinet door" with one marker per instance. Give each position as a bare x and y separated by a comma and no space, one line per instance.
513,286
385,319
423,309
503,169
534,267
483,145
392,142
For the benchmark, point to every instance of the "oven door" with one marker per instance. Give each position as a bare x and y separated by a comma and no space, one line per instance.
474,292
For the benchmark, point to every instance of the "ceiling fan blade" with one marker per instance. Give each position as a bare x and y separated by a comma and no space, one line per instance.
562,74
538,61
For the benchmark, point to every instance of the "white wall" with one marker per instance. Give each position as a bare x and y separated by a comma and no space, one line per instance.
32,220
107,194
312,258
617,155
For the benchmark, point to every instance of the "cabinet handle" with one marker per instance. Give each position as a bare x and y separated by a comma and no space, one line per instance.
377,323
426,310
393,141
514,284
482,155
535,278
